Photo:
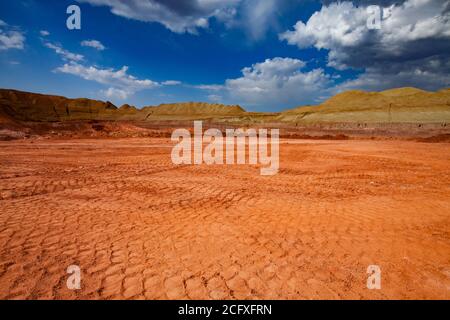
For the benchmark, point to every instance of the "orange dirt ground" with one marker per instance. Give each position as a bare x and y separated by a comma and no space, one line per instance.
142,228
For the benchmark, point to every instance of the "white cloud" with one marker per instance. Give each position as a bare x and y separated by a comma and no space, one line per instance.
10,38
121,83
259,16
93,44
114,93
209,87
278,81
171,83
342,29
340,24
414,32
65,54
44,33
177,16
273,83
256,16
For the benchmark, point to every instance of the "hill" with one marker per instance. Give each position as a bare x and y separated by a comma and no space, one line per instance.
191,110
391,106
401,105
25,106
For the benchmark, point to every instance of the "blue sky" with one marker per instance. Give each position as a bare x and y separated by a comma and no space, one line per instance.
265,55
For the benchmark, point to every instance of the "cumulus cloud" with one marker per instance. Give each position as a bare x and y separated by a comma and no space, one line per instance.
279,81
122,84
273,83
177,16
65,54
44,33
413,33
10,38
93,44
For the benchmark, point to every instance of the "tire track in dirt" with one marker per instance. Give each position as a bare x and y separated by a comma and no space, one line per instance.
141,228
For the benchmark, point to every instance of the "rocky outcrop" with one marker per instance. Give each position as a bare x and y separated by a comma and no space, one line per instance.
46,108
26,106
404,105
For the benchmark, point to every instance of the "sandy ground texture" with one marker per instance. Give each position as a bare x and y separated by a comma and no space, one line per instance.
140,227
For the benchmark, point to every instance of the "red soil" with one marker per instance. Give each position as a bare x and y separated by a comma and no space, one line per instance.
140,227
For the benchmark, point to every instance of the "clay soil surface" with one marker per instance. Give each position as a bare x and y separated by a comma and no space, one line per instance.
140,227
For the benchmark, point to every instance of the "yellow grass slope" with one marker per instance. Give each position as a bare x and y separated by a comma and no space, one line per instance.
395,105
191,110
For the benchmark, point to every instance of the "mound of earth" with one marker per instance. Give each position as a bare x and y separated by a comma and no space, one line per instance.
396,105
192,110
25,106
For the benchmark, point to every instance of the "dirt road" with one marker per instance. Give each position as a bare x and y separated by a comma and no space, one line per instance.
141,228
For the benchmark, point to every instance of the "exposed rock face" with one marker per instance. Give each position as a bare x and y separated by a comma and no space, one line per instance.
404,105
26,106
37,107
391,106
